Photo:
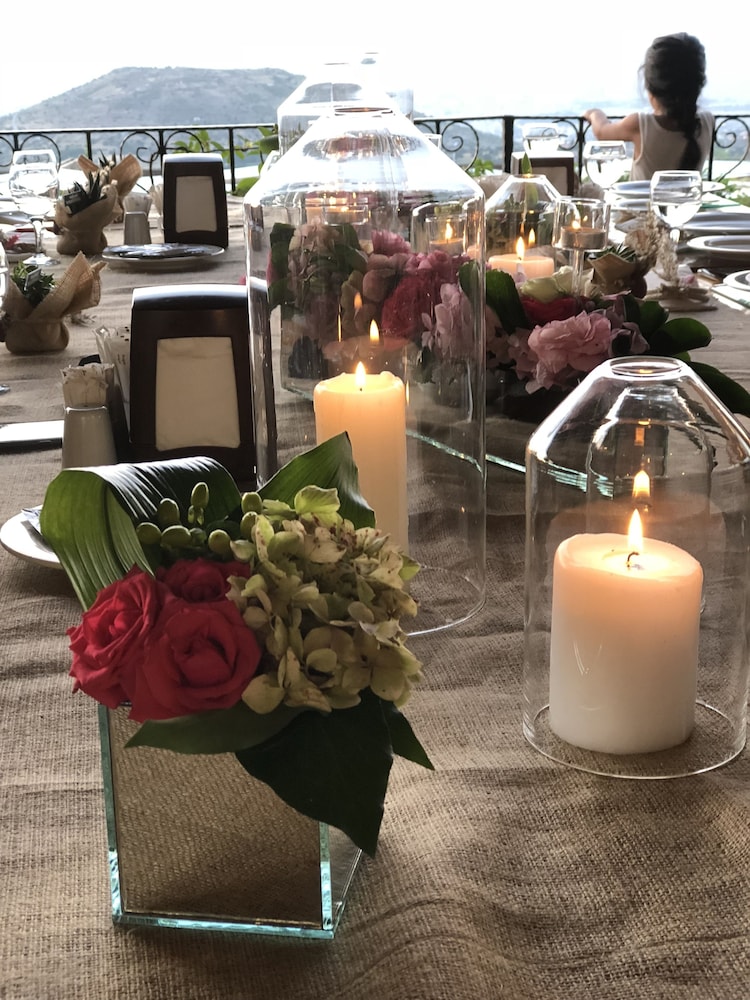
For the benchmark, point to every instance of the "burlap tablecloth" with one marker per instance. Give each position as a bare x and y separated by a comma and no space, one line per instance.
500,875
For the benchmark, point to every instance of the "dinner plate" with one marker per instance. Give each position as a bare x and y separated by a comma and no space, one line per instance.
722,246
642,189
718,223
161,256
739,279
19,537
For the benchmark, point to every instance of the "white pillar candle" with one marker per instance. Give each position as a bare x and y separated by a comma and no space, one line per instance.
624,643
372,410
523,265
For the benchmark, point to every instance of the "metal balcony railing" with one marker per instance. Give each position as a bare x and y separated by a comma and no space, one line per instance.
474,143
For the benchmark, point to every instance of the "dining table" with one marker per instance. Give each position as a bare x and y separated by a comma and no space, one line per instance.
500,874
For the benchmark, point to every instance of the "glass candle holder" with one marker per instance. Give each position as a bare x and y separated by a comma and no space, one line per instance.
580,225
366,290
522,207
636,656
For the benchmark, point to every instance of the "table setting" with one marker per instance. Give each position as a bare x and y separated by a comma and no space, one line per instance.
512,860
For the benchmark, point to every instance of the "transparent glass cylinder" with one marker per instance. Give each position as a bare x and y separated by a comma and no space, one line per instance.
196,843
364,247
636,627
522,207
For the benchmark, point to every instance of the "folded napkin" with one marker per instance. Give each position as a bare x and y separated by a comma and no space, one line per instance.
87,385
29,329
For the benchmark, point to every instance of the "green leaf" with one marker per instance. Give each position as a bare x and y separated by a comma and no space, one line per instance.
503,298
328,465
100,547
731,393
650,317
403,738
224,731
679,335
333,768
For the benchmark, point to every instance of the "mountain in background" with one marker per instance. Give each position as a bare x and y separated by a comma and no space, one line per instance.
134,96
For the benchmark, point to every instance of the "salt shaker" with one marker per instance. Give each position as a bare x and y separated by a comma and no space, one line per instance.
87,437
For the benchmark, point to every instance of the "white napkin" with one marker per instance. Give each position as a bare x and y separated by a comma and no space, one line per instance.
113,347
86,385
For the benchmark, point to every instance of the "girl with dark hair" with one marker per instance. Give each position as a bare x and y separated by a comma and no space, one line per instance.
676,136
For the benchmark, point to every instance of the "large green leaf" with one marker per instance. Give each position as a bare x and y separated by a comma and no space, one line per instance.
89,515
679,335
333,768
731,393
328,465
503,299
221,731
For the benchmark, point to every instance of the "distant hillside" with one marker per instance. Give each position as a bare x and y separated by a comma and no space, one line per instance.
174,96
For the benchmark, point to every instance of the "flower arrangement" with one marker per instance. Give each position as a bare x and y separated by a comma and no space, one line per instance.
331,287
264,624
541,337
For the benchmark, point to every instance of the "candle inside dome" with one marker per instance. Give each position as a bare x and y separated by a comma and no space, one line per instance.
624,642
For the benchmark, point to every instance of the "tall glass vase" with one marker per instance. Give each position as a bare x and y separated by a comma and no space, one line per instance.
195,842
365,251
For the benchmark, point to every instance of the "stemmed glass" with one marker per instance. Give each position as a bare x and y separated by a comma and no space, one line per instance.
605,162
580,224
676,197
33,185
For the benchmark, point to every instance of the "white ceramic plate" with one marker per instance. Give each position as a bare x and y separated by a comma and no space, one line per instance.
161,256
718,223
740,279
722,246
21,539
642,189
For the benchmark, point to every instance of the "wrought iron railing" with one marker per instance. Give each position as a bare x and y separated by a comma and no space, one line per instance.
472,142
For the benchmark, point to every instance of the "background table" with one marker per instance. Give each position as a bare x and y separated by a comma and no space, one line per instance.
501,874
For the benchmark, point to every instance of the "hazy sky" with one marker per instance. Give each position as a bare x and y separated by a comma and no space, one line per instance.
486,57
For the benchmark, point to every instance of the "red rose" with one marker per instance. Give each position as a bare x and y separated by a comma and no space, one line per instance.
200,657
540,313
201,580
113,634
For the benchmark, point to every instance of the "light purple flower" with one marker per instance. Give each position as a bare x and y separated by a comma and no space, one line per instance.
453,331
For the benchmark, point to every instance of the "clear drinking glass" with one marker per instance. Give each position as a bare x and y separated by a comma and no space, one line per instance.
676,197
33,185
580,225
605,162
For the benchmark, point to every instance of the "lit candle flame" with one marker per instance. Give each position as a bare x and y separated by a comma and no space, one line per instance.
374,333
641,486
339,326
575,224
357,301
360,376
520,248
448,231
532,238
635,533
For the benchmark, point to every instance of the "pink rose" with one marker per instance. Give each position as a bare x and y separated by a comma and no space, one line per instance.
540,313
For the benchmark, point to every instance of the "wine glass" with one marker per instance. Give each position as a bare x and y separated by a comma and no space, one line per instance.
676,197
580,224
33,185
605,162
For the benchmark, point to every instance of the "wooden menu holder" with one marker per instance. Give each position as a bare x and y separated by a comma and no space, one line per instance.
190,384
194,206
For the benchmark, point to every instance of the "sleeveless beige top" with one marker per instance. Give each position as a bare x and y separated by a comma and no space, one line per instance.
662,149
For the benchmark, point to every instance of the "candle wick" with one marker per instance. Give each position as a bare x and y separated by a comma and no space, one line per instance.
630,556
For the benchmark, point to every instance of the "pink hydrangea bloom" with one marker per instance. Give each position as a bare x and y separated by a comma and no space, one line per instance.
453,331
563,347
